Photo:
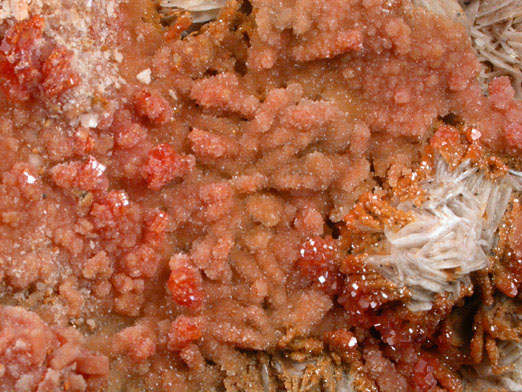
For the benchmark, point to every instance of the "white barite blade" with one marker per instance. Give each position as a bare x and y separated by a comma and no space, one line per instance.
482,378
194,5
496,33
200,10
452,234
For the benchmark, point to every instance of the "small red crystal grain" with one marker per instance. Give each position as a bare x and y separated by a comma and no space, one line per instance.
164,164
423,374
155,228
184,287
152,106
183,331
318,263
58,75
19,67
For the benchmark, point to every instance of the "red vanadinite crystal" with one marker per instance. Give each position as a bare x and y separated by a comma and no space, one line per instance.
447,142
91,175
394,330
183,331
341,340
163,165
22,36
109,212
58,76
152,106
19,67
155,228
83,141
318,262
118,202
184,286
423,376
88,175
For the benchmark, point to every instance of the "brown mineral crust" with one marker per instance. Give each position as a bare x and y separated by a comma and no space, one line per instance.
374,213
515,234
224,92
326,46
138,342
